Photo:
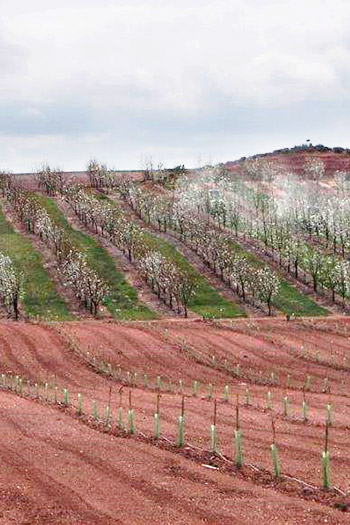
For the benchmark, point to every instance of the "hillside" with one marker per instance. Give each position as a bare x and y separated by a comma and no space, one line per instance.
293,160
174,346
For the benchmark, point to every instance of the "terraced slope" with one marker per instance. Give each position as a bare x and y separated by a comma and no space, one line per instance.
289,300
207,301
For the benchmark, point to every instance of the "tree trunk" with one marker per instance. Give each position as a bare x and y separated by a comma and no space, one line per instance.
15,306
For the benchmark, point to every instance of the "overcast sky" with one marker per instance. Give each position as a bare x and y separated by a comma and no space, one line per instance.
182,82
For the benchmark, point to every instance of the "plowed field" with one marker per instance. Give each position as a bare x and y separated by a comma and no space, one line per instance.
61,467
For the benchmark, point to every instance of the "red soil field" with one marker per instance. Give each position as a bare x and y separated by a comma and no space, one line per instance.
63,468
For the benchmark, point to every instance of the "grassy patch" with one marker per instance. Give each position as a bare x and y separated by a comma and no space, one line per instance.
288,300
207,301
41,299
122,302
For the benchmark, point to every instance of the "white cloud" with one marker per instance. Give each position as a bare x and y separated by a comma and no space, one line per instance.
161,61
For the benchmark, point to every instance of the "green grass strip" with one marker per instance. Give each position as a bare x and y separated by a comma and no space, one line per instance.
288,300
41,300
122,302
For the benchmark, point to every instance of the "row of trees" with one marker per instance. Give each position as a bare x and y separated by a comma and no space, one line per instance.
281,226
301,207
11,285
305,207
100,176
281,217
250,281
289,221
74,269
173,284
320,216
294,254
50,180
290,233
244,210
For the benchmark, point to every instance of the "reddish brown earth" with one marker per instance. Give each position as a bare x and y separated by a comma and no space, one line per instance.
56,470
59,468
294,162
